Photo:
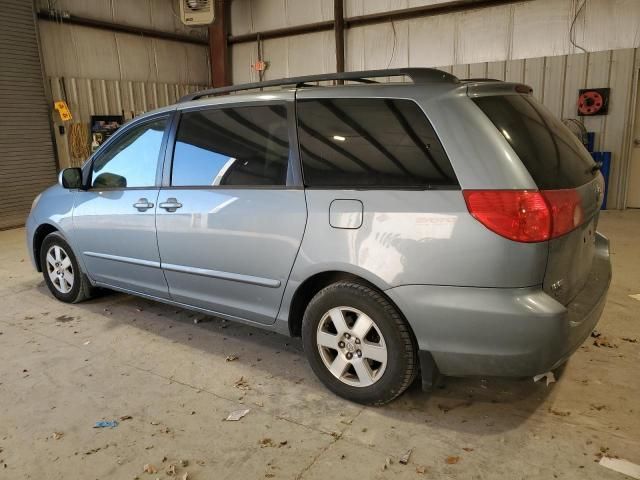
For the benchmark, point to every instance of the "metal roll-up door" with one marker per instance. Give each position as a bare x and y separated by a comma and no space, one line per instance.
27,161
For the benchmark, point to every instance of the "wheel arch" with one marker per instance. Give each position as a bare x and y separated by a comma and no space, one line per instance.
38,237
316,282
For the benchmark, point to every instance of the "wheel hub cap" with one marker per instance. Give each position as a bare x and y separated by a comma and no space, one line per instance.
60,269
351,346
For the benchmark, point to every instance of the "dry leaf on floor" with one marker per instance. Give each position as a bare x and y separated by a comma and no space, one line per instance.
242,384
452,460
467,449
148,468
630,340
125,417
404,459
559,413
171,470
231,358
266,442
551,378
601,341
57,435
237,415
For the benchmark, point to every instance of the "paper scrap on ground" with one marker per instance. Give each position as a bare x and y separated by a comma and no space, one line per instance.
636,296
551,378
621,466
237,415
106,423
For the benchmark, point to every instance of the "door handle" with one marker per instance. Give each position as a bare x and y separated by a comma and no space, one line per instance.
171,205
143,204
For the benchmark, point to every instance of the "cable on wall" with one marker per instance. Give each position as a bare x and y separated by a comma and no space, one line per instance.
573,24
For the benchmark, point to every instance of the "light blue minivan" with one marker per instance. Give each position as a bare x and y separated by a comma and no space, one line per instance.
433,225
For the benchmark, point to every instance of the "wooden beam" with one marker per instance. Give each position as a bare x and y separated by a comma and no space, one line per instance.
220,60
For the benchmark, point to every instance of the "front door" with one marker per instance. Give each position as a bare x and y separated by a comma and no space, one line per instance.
114,219
229,223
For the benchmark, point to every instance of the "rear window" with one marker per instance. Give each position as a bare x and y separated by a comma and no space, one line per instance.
553,155
370,143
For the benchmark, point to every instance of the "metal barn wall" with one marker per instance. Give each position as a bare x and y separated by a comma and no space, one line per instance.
526,41
509,32
100,72
27,161
556,81
87,97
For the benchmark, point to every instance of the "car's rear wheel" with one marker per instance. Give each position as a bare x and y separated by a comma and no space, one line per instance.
61,271
358,344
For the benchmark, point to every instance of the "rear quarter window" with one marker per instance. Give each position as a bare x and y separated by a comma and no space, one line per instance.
554,156
370,143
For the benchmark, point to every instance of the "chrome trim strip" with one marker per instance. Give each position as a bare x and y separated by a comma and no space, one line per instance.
234,277
117,258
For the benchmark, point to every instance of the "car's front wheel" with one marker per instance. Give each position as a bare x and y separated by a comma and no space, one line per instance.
358,344
61,271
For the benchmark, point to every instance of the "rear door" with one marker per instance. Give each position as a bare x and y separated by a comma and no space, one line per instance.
232,212
114,219
562,168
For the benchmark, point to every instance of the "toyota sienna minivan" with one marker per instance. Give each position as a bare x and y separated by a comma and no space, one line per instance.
428,226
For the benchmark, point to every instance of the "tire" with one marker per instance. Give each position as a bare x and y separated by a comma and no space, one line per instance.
71,285
373,364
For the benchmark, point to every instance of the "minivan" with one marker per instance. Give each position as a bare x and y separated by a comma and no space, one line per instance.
428,226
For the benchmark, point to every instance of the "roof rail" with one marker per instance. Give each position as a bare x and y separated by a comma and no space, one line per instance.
417,75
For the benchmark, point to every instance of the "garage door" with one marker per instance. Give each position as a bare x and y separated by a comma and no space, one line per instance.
27,162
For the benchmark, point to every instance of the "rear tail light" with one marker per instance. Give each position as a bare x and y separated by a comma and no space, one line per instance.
526,215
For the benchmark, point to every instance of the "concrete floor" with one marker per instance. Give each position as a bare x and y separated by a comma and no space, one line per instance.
62,368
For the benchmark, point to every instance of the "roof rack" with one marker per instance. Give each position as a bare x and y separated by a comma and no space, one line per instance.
417,75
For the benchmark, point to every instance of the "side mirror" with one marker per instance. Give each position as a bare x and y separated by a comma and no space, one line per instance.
70,178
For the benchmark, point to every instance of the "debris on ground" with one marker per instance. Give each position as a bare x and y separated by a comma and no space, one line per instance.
64,318
106,424
231,358
55,436
387,463
452,460
184,463
467,449
242,384
559,413
171,470
185,476
621,466
404,459
595,334
604,452
630,340
266,442
598,407
447,408
551,378
125,417
635,296
148,468
87,342
421,469
601,341
237,415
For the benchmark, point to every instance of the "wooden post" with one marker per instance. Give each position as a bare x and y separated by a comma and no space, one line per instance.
220,60
338,27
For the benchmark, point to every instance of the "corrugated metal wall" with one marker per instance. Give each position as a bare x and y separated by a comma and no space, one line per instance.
556,81
27,162
87,97
100,72
526,41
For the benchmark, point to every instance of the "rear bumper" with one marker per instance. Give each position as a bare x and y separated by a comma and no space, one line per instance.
503,332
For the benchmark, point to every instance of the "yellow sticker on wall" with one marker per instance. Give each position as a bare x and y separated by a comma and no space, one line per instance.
63,110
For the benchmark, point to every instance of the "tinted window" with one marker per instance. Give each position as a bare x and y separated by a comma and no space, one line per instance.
553,155
131,161
370,143
232,146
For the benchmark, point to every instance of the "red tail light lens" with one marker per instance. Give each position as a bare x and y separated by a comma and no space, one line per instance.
526,215
519,215
566,210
